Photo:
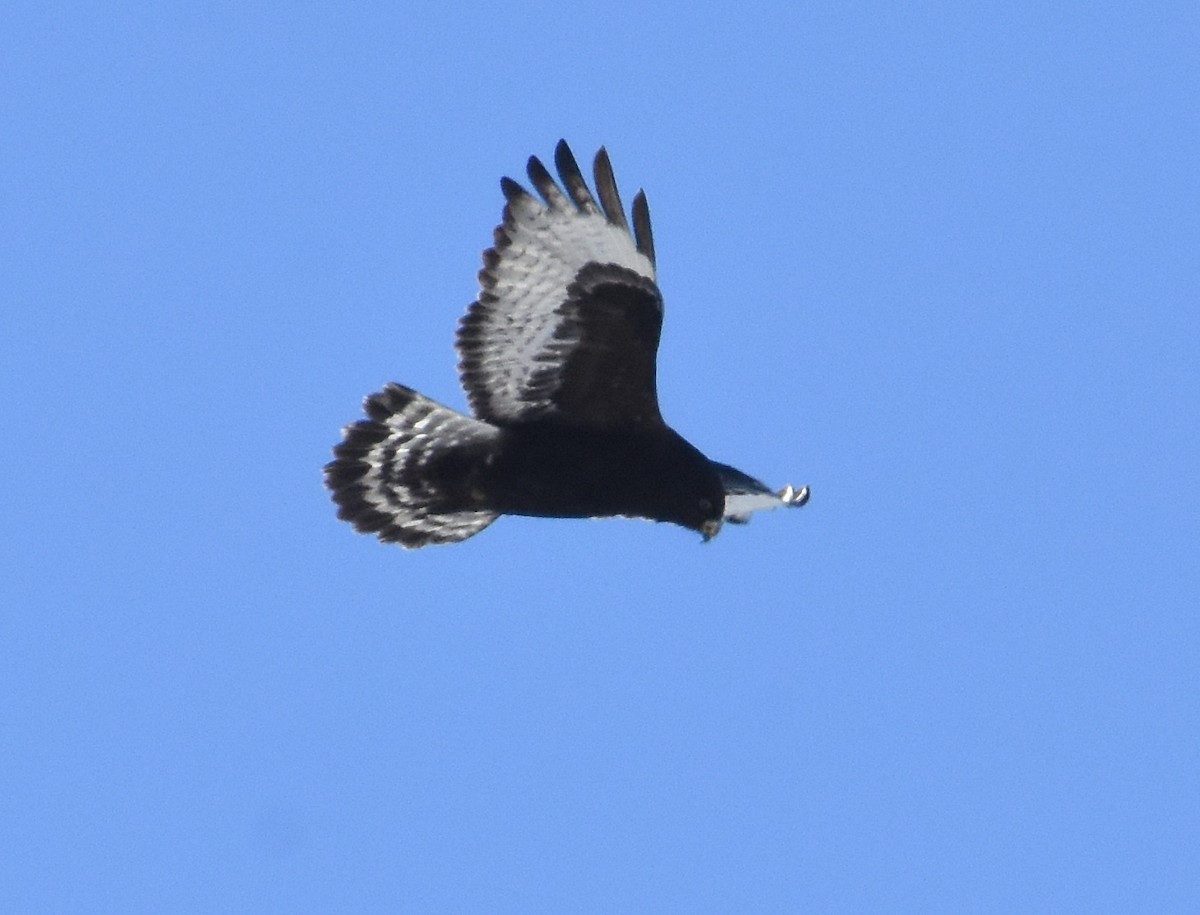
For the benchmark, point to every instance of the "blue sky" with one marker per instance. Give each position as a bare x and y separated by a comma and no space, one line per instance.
939,262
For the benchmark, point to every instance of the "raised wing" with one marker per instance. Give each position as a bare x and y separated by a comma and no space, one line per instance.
568,319
745,495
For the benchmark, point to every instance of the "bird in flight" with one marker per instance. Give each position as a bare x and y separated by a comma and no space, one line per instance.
557,356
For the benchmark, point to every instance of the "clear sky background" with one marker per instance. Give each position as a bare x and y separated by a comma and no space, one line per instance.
940,261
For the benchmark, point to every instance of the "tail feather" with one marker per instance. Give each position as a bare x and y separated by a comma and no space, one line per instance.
403,474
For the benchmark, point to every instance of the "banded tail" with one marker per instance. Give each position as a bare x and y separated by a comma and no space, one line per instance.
404,474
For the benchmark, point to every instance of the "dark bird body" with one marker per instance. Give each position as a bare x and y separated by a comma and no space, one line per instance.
639,473
558,360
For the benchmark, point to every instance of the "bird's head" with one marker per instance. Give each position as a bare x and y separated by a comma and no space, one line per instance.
703,510
688,490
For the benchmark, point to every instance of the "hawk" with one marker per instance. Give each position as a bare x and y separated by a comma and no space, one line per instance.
557,356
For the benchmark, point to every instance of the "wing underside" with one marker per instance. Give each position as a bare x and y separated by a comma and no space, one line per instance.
745,495
568,318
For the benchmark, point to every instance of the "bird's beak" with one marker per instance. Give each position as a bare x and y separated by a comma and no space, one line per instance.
710,529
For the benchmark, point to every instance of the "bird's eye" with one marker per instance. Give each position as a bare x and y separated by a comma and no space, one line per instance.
705,506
